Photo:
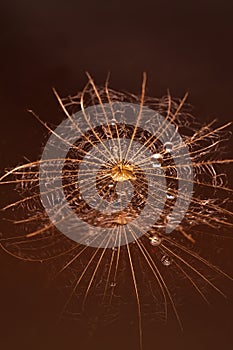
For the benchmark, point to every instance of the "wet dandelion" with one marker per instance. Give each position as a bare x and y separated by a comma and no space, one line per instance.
126,186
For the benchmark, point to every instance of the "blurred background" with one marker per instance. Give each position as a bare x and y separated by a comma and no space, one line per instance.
183,46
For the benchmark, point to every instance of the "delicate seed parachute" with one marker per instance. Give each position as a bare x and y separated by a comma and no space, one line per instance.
146,262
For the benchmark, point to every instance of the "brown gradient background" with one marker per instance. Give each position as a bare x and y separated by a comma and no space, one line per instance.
183,46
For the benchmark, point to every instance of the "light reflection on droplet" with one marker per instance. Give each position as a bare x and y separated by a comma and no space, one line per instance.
170,196
168,146
156,160
155,240
166,260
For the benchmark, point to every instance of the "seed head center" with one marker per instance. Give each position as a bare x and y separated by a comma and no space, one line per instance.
122,172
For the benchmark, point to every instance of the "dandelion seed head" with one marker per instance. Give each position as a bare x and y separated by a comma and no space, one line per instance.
127,183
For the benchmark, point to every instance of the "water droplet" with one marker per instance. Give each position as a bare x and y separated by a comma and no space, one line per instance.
155,240
113,121
157,156
168,146
156,165
156,160
170,196
166,260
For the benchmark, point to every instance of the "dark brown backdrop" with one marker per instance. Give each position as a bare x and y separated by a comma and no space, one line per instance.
182,45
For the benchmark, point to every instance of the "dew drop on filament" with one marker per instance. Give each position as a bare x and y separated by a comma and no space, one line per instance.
155,240
156,159
166,260
168,146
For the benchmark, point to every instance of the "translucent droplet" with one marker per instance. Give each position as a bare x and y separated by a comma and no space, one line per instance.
166,260
156,160
156,165
157,156
155,240
168,146
113,121
170,196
